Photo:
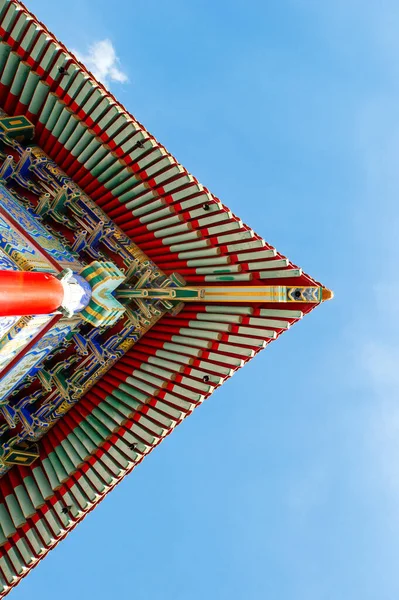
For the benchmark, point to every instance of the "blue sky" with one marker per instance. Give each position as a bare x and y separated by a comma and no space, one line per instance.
285,483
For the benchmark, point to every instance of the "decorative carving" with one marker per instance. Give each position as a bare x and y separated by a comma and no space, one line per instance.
66,376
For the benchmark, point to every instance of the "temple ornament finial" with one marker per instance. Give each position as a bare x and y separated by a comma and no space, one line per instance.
326,294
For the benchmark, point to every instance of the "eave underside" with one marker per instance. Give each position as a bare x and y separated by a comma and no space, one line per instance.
102,438
182,227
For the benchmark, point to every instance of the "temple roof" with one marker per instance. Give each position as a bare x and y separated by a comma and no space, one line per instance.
177,221
184,229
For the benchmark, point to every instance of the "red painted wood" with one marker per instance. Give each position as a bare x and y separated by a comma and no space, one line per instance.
29,293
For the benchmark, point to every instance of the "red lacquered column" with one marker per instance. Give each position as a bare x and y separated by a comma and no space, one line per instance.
28,293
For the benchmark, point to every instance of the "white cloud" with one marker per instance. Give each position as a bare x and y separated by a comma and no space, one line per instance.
101,59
